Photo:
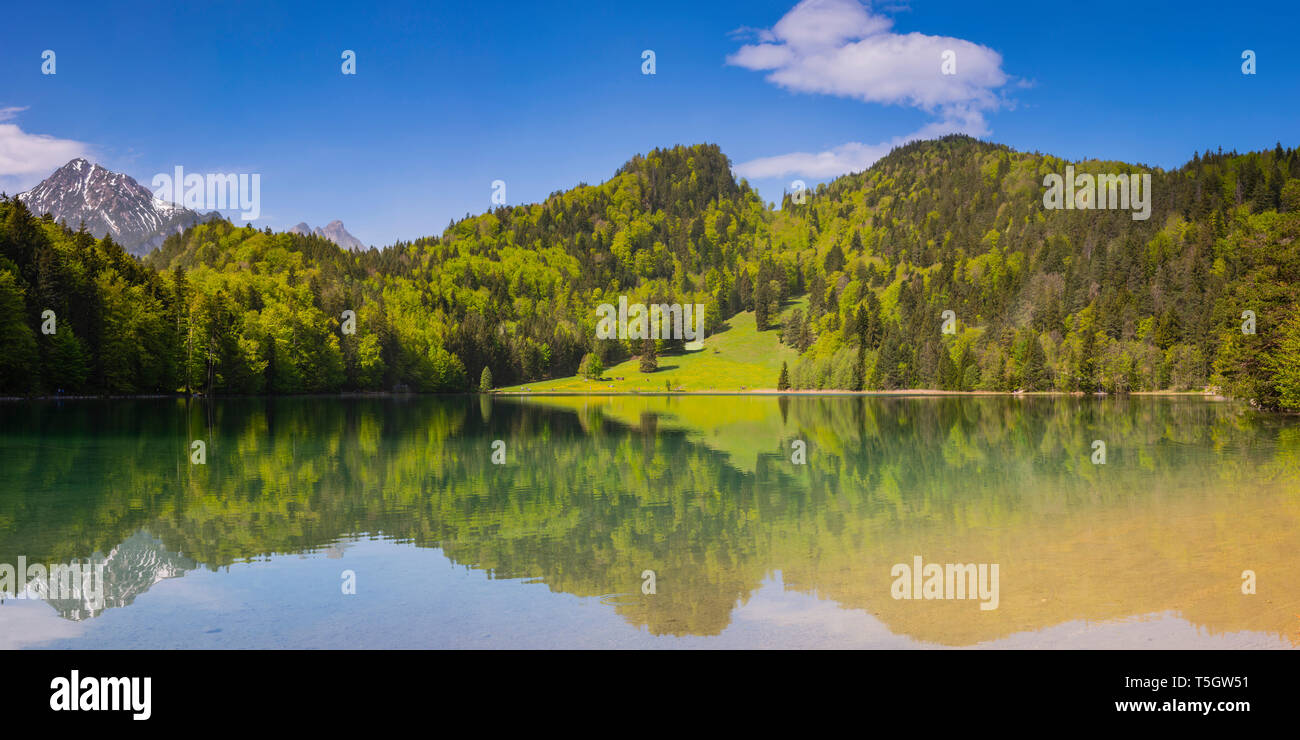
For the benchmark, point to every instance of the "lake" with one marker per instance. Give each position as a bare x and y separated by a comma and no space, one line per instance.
652,521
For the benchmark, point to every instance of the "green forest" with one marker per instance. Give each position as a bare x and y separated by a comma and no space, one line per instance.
1088,301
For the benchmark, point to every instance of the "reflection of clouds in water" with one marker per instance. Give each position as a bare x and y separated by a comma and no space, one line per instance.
777,617
1165,631
226,609
26,624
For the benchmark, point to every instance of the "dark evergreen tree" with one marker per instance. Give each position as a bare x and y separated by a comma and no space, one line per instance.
649,360
1033,374
834,260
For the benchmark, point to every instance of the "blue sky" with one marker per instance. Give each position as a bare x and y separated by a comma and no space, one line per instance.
451,96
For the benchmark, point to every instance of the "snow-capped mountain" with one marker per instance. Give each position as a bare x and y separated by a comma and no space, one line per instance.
333,231
109,203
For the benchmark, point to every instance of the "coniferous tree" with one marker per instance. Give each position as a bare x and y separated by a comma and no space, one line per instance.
859,369
184,339
792,329
873,329
887,367
806,335
834,260
761,306
1033,376
816,295
1284,363
949,379
19,357
1087,363
649,361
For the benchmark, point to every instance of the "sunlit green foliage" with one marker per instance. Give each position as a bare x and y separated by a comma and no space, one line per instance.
1043,300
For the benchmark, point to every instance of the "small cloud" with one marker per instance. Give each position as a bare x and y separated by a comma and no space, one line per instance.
841,48
853,156
850,157
749,32
26,159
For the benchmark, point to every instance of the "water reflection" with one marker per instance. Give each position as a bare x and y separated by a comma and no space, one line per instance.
699,490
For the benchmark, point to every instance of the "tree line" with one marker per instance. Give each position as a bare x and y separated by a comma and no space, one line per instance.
1039,300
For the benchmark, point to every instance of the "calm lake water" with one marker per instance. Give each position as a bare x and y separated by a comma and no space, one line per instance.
400,498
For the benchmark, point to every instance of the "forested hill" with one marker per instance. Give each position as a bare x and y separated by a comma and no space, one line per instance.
1047,299
1042,299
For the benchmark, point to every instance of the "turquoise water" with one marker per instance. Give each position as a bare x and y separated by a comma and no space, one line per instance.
386,523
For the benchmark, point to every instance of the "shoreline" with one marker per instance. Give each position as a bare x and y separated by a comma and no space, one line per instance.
1208,395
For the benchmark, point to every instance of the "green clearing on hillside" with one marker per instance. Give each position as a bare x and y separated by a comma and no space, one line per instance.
738,358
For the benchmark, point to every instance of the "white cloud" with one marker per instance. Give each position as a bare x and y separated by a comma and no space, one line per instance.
853,156
26,159
841,48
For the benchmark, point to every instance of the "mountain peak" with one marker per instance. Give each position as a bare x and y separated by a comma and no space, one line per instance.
108,203
333,231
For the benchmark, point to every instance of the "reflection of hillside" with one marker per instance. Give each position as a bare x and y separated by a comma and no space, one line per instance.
700,490
1106,563
742,427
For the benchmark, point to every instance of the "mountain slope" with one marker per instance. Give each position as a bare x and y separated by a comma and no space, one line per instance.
108,203
1045,299
514,289
737,358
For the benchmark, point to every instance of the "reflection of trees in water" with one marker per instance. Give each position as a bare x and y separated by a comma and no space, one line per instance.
591,496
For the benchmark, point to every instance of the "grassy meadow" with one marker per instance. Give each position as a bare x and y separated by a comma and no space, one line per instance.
738,358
